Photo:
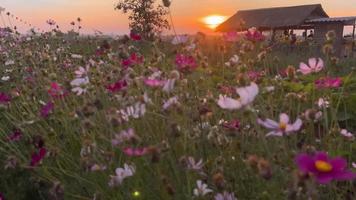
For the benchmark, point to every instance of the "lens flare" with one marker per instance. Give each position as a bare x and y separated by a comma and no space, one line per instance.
212,21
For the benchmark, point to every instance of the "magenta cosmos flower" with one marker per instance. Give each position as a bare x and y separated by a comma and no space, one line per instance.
185,63
154,82
4,98
134,59
254,35
38,156
328,82
47,109
118,86
324,168
135,36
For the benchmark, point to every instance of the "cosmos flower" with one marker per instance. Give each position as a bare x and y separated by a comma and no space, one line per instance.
225,196
15,136
323,103
193,165
232,125
346,134
136,111
1,195
81,71
170,102
38,156
328,82
169,85
118,86
315,65
121,174
231,36
135,36
324,168
202,189
135,152
233,61
185,63
154,82
76,56
254,35
282,127
4,98
247,96
134,59
56,91
123,136
47,109
180,39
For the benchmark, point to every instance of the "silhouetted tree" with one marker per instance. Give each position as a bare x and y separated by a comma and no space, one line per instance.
146,17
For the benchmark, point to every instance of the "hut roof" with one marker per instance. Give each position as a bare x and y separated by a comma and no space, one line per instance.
267,18
345,20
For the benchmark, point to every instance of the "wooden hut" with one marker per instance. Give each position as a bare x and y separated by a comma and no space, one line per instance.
302,17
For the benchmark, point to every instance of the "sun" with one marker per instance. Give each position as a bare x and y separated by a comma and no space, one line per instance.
212,21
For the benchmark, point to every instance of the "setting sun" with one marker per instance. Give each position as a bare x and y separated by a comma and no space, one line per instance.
213,21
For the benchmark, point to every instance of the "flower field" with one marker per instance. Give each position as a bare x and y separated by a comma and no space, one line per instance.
187,117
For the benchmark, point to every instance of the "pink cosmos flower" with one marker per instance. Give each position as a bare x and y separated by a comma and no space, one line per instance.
47,109
282,127
154,82
15,136
4,98
231,36
37,157
324,168
225,196
254,75
232,125
135,36
124,136
118,86
180,39
135,152
56,91
346,134
328,82
315,65
121,174
254,35
185,63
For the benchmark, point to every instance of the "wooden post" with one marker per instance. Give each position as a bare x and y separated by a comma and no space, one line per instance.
353,38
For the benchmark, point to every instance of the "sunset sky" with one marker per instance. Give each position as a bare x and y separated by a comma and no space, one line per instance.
187,14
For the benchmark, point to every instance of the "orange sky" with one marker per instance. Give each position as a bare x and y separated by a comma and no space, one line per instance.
187,14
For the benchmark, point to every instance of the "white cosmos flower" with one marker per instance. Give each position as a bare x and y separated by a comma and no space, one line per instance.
281,128
202,189
76,56
170,102
5,78
169,85
121,174
9,62
80,81
247,96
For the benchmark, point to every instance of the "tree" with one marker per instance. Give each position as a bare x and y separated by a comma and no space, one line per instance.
146,17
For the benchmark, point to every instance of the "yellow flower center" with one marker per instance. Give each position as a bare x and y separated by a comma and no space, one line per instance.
282,126
323,166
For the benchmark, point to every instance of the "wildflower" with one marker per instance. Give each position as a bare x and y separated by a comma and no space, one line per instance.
2,196
136,111
202,189
81,71
233,61
4,98
135,36
76,56
56,91
324,168
323,103
97,167
225,196
193,165
312,115
282,128
38,156
121,174
118,86
154,82
170,102
254,35
180,39
328,82
185,63
15,136
232,125
354,165
134,59
125,135
5,78
169,85
46,109
346,134
136,152
247,96
231,36
315,65
78,85
9,62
